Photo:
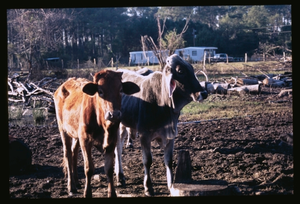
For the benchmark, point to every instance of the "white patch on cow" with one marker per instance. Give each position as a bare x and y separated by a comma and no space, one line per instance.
171,84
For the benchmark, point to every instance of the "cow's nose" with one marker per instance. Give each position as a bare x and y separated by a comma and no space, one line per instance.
204,94
113,116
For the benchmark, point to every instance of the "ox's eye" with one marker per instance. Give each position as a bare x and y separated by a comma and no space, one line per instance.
179,70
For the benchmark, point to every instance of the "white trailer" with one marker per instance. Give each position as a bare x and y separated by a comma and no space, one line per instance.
140,57
196,54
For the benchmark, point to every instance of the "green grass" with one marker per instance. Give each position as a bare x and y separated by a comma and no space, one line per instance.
15,113
225,106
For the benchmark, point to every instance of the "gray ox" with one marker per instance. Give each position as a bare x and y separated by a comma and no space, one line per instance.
153,112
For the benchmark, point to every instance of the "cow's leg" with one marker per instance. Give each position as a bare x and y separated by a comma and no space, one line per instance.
109,171
67,162
118,156
147,161
168,154
86,147
75,150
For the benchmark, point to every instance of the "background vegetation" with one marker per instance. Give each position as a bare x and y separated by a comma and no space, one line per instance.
82,35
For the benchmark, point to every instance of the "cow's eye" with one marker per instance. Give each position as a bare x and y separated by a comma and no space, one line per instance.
101,94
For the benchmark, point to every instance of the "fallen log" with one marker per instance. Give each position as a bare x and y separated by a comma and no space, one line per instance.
247,81
221,88
208,87
249,89
270,82
285,92
201,188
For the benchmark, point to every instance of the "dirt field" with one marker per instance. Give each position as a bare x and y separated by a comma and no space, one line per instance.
254,154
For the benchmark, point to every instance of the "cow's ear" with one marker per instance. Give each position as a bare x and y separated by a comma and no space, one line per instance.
90,88
130,88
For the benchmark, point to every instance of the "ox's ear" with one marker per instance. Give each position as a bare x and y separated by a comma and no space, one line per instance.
130,88
90,88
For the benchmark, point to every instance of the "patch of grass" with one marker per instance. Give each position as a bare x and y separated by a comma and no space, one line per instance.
39,115
15,112
224,106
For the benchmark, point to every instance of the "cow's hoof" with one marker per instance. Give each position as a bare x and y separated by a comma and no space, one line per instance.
112,194
121,183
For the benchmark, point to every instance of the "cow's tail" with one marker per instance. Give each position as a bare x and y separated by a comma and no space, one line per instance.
65,168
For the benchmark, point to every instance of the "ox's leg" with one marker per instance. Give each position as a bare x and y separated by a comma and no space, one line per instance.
86,147
75,150
147,161
118,156
130,136
168,154
67,162
109,171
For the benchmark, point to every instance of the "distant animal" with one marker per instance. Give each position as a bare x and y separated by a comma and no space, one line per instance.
153,112
89,113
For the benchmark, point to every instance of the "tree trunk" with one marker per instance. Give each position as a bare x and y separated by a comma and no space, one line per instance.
183,169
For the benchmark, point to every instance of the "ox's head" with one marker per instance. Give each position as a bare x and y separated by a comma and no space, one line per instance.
109,87
181,74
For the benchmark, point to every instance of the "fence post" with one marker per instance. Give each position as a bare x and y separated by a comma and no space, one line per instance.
77,63
62,63
246,57
94,63
226,58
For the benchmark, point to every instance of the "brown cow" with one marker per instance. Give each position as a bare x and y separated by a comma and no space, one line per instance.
85,119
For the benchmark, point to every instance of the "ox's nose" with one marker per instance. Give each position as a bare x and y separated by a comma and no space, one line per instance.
113,116
204,94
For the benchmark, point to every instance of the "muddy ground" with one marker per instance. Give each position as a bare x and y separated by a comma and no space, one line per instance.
253,154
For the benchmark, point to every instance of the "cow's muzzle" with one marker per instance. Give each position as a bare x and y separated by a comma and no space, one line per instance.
113,116
199,96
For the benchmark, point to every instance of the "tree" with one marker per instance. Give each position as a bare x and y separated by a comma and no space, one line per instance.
35,31
167,44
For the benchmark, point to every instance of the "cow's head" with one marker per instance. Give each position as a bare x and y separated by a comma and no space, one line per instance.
181,74
108,85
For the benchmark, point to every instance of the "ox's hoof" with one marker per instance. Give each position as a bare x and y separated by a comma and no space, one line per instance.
72,193
149,192
121,180
129,146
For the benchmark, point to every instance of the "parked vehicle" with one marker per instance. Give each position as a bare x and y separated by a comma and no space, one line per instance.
221,57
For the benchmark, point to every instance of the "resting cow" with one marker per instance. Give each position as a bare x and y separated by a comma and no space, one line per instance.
153,112
88,113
